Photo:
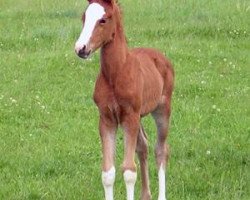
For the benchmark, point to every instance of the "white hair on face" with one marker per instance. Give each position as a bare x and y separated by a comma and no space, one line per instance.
93,13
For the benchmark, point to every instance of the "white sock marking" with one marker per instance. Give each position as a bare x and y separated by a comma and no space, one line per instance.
93,13
162,184
108,179
130,179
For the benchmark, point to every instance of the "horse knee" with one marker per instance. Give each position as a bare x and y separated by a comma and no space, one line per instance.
130,176
108,178
162,154
142,155
142,147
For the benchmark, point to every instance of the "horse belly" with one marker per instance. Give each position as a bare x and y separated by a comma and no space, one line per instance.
152,87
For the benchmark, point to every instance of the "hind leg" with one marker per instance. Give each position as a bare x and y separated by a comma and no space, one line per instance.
161,116
142,152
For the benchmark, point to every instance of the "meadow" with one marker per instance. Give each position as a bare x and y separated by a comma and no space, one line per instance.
49,140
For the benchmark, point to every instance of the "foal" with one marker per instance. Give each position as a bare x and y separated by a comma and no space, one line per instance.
131,84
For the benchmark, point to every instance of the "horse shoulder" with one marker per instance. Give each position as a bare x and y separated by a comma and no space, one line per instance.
103,94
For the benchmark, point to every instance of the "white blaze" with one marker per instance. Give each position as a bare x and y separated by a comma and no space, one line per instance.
93,13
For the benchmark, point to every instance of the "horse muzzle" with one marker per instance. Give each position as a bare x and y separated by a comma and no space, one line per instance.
83,52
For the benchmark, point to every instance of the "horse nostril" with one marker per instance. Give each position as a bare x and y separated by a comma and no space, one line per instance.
82,50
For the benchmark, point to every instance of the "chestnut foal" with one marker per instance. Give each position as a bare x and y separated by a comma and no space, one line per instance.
131,84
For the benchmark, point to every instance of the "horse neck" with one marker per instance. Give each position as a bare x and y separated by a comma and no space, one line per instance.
114,53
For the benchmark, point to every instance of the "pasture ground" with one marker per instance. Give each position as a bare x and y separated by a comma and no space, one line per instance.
49,141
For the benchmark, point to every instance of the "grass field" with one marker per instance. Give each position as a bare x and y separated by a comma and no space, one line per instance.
49,141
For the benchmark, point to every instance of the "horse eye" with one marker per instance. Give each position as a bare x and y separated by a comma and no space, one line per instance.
102,21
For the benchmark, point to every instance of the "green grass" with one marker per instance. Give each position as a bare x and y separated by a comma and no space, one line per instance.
49,141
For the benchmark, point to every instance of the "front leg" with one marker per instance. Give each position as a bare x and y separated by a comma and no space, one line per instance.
103,97
108,132
130,125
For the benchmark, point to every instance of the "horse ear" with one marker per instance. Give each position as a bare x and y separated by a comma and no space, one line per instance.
109,1
106,1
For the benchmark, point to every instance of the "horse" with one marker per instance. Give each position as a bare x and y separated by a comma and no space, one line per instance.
131,84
